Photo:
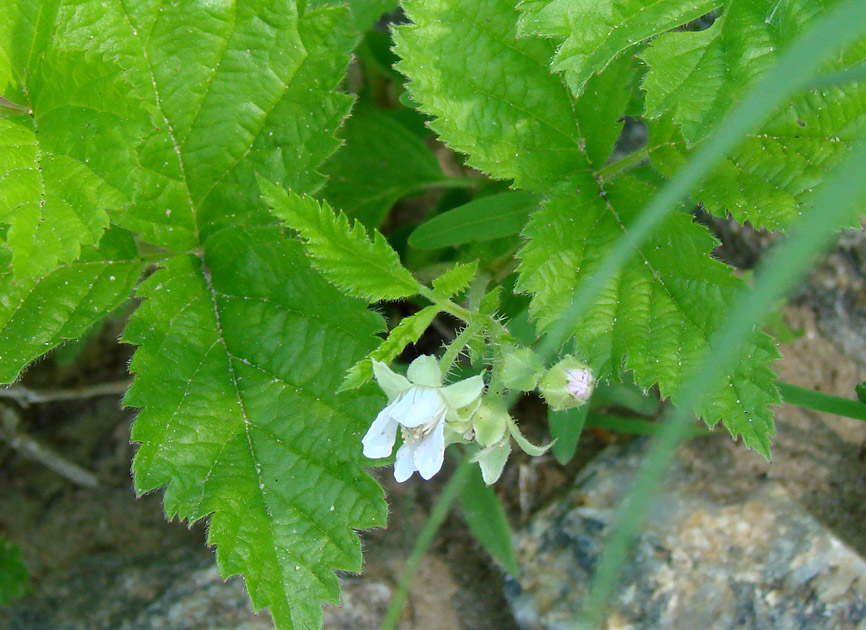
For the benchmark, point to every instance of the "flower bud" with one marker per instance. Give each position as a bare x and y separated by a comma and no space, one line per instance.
567,384
521,369
492,461
491,422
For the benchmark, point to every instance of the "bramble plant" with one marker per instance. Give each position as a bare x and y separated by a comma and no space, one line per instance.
187,154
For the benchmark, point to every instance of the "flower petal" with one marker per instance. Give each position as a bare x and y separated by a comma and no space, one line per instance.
401,406
427,406
425,371
463,393
379,440
404,466
390,382
430,452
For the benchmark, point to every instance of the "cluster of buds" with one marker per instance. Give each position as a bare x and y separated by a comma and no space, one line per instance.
430,415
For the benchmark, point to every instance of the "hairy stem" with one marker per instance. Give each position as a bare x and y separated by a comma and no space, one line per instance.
630,161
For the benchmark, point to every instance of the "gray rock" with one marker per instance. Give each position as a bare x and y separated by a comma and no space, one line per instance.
837,293
758,563
180,590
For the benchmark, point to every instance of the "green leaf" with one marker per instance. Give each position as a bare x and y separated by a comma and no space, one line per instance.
591,33
362,268
234,89
251,433
381,162
13,573
364,12
860,390
409,330
656,316
485,516
625,395
566,428
38,314
700,76
69,157
241,344
492,95
455,280
482,219
603,105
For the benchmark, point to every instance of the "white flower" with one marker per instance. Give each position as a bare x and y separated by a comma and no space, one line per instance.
420,406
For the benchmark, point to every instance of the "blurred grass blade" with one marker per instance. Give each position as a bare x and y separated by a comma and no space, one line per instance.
848,75
780,271
437,516
819,401
479,220
566,428
486,519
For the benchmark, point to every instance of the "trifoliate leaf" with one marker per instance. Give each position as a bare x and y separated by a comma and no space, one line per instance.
455,280
699,76
38,314
657,315
367,269
239,355
240,343
591,33
409,330
71,152
13,573
492,95
381,162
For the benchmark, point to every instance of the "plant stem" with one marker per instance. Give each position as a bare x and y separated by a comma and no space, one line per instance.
491,324
455,347
425,539
451,182
819,401
614,169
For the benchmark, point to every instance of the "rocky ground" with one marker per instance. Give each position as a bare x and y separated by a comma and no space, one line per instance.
102,559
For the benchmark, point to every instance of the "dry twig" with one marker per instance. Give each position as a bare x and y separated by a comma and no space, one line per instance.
25,396
29,447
